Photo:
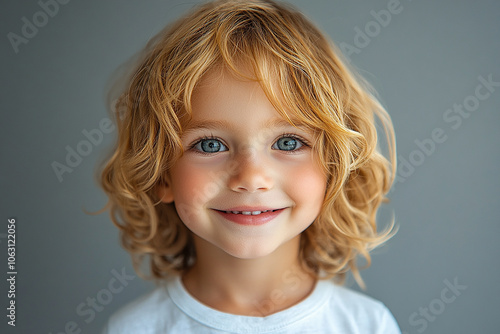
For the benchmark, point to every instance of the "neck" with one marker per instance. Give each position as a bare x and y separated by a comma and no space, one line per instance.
255,287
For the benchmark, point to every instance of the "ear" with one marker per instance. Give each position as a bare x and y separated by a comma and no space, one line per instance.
164,191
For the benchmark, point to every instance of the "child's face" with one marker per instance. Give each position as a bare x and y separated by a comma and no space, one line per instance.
241,155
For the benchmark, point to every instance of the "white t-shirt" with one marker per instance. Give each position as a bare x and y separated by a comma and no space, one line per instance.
330,308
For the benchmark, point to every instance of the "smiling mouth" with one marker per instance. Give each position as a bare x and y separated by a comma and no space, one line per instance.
248,213
255,217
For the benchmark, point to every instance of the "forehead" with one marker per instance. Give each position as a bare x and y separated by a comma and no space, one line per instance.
220,89
221,96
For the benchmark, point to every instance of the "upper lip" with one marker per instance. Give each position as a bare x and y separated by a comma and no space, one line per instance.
250,208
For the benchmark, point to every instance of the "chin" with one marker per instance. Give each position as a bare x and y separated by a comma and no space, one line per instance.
249,252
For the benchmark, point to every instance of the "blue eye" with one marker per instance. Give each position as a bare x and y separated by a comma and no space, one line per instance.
287,144
210,145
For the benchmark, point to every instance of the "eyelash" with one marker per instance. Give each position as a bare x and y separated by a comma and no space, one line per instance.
304,143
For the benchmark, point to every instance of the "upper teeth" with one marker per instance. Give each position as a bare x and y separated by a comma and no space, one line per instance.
253,213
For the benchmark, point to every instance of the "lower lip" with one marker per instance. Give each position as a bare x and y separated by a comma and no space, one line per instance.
250,219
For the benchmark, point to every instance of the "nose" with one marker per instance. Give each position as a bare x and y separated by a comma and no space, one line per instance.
251,174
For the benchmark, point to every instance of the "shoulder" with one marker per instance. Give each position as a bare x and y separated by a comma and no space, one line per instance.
356,312
352,300
143,315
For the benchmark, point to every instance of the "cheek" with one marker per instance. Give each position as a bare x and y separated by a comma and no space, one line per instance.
190,186
189,183
307,186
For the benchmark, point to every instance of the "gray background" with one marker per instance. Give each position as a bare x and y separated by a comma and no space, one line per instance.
428,58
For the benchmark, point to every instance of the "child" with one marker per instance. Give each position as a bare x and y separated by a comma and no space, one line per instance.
247,170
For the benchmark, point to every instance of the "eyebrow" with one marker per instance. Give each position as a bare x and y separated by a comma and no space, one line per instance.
218,124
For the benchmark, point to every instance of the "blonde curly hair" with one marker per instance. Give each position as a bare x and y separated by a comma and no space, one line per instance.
304,76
